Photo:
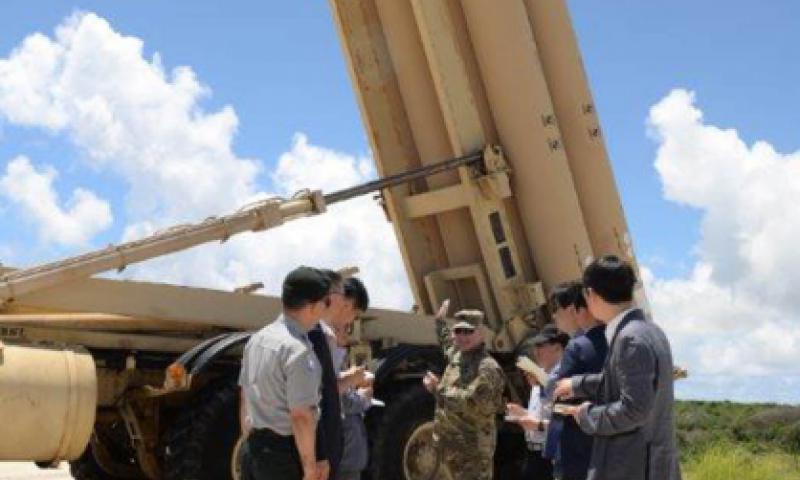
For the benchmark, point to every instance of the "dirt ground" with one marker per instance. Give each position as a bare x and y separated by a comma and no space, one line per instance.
25,471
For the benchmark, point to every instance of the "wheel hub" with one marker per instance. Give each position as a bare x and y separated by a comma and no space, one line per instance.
236,459
420,456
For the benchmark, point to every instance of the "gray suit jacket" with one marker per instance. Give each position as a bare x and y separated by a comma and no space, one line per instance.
632,415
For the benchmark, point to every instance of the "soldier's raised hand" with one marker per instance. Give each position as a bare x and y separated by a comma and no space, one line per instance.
442,312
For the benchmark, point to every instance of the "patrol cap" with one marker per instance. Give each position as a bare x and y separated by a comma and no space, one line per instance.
469,319
548,335
304,285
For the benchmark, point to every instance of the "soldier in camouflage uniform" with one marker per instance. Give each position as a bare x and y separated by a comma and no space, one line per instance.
468,398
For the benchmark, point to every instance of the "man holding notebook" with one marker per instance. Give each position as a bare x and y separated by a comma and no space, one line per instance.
630,412
585,353
546,349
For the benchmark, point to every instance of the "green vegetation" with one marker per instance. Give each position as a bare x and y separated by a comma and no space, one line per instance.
723,440
725,461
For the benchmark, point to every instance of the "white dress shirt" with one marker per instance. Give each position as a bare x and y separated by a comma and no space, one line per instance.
613,325
536,410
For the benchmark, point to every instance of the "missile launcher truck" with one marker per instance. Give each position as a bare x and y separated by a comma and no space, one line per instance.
494,175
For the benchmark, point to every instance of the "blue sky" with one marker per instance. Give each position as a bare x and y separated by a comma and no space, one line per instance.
279,65
736,56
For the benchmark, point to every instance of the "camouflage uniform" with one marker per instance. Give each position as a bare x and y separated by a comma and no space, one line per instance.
468,398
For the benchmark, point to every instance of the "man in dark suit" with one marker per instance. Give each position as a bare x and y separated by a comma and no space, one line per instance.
330,437
568,446
631,409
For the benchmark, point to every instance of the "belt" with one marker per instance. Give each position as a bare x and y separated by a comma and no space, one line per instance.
265,434
535,447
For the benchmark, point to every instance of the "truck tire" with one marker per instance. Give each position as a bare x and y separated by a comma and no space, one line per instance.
106,457
87,468
200,444
406,416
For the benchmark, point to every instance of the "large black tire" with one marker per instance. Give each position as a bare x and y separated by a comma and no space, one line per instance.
111,442
410,410
200,444
87,468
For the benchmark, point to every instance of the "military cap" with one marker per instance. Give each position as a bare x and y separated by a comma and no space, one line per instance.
550,334
470,319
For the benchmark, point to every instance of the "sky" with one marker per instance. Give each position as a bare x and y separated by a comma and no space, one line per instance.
118,119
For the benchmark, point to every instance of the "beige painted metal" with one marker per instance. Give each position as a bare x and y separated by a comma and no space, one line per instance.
445,77
419,100
48,399
96,321
444,114
94,339
259,216
388,129
520,101
198,306
580,127
458,102
469,72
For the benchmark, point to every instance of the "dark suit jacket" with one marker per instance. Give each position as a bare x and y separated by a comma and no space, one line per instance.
585,353
632,419
330,438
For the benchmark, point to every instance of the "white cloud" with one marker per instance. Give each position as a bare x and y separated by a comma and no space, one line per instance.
354,233
736,313
129,116
146,126
82,217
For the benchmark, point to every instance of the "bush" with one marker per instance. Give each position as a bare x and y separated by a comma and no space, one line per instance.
757,427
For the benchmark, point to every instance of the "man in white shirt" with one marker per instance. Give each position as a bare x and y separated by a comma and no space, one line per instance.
546,350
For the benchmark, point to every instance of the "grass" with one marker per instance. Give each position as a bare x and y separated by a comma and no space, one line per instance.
726,461
723,440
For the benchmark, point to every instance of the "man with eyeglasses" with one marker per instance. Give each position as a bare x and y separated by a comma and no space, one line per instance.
346,299
468,396
547,350
329,436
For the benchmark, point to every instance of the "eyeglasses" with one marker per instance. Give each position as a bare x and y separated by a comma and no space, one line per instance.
463,331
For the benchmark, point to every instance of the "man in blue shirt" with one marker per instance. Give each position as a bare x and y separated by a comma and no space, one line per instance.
585,353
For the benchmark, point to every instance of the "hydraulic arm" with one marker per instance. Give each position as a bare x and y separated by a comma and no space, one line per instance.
263,215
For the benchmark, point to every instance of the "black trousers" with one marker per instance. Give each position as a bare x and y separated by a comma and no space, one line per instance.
537,467
267,455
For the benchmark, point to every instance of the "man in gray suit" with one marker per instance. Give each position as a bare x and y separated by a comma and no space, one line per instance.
630,407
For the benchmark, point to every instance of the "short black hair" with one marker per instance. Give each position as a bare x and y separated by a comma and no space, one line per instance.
355,290
304,286
610,277
334,277
568,294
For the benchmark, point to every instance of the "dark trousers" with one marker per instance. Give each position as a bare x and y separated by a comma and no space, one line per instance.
341,475
267,455
537,467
